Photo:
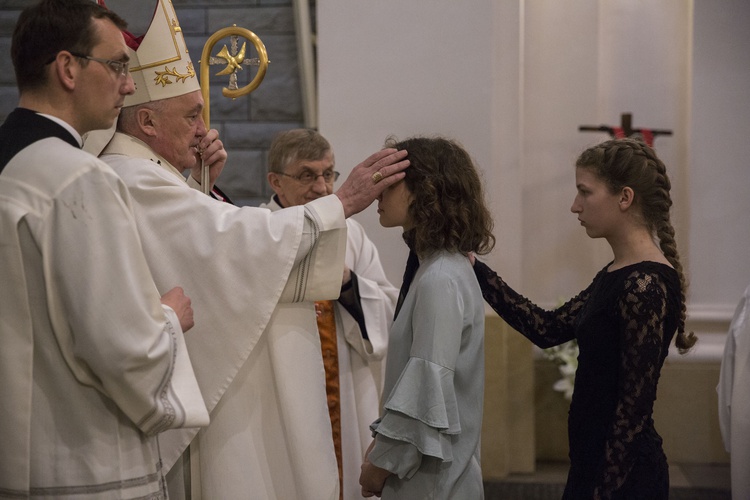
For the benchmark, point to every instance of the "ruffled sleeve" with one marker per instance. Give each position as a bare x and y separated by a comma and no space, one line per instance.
421,412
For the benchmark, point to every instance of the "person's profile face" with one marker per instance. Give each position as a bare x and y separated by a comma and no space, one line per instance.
393,206
179,127
101,88
304,181
596,206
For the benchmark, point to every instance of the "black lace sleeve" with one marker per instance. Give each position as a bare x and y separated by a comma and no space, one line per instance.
543,328
641,309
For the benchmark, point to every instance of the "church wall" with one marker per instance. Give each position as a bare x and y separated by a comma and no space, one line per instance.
513,80
720,162
554,66
246,125
405,68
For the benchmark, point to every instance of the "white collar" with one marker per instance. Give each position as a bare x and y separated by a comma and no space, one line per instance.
66,126
124,144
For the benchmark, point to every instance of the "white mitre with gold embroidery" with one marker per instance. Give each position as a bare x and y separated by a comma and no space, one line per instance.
159,64
159,61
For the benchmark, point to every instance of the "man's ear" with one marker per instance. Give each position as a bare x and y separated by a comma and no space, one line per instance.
274,180
627,197
146,120
66,69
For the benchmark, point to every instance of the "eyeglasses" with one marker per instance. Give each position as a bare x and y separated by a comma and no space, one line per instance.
119,67
308,177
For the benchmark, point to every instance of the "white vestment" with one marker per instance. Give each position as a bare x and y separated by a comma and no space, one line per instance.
734,397
91,364
360,361
237,263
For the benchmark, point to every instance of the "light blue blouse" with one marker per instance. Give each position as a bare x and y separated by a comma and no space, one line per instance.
428,434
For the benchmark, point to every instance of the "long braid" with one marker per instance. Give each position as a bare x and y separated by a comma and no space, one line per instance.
665,234
630,162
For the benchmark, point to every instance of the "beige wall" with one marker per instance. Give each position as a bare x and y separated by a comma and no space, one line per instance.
513,80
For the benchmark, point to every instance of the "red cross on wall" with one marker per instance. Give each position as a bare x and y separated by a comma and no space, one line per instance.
626,130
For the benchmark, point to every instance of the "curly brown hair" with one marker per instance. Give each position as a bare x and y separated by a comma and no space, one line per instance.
630,162
448,208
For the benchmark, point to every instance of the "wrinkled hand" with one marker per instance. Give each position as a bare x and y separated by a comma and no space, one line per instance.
211,151
372,478
180,303
359,189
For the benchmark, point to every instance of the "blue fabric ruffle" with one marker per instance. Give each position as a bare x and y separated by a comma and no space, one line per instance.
422,409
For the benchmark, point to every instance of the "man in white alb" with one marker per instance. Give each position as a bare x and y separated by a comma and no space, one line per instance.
353,329
92,365
238,262
734,397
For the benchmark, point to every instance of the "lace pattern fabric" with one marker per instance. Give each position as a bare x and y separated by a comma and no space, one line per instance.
624,322
544,328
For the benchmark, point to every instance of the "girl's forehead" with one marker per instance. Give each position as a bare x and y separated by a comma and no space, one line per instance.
584,174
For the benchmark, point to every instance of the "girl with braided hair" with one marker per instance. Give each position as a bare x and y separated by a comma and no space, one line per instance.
624,323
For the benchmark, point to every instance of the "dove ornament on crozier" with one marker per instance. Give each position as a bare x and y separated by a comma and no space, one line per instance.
234,61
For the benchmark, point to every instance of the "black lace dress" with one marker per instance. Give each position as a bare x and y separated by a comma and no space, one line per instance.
624,323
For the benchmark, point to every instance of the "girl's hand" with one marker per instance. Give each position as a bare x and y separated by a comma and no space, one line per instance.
372,478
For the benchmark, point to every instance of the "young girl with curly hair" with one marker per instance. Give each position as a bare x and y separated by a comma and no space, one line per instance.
427,439
624,323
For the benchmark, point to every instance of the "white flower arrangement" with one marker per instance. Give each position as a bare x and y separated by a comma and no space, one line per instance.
565,356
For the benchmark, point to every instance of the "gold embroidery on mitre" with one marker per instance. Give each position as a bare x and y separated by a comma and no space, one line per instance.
162,77
162,59
174,28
